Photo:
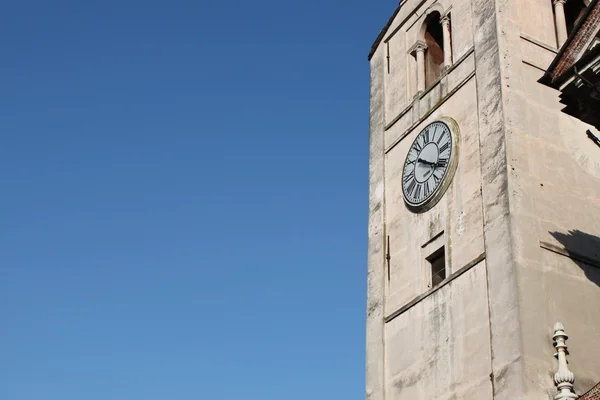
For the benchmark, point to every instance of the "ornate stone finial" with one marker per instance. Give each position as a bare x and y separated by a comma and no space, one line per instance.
563,378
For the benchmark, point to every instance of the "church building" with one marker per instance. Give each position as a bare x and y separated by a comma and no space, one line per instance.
484,202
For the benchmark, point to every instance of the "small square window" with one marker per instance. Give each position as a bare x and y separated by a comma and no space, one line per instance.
438,267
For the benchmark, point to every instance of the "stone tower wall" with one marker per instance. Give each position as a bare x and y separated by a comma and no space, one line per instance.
509,221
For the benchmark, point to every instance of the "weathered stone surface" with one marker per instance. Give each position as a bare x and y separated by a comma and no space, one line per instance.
440,347
526,194
458,214
375,286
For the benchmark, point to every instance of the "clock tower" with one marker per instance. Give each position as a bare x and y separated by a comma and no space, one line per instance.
484,206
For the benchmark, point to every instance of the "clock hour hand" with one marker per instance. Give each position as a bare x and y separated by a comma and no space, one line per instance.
427,162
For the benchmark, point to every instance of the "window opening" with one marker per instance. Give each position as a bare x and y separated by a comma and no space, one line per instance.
437,262
434,59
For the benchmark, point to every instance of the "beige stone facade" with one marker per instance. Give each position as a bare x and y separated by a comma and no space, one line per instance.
520,222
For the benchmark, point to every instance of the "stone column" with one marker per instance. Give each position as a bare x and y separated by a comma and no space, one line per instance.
420,68
560,21
445,21
418,51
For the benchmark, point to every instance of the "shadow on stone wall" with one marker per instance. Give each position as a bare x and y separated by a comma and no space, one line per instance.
584,249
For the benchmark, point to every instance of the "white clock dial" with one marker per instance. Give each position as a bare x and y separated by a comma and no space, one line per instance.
428,164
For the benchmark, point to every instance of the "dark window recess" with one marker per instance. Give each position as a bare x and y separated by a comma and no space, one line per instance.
573,11
438,267
434,57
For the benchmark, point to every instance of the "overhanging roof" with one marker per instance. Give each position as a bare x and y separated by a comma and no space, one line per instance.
592,394
575,71
562,67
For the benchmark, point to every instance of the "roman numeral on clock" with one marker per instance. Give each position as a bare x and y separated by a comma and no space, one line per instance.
410,187
440,138
427,188
442,162
419,190
444,147
418,146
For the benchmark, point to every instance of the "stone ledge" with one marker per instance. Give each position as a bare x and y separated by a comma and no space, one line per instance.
428,113
569,254
431,291
540,44
419,96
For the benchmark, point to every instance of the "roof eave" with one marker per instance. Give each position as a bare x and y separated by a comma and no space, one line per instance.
547,79
384,31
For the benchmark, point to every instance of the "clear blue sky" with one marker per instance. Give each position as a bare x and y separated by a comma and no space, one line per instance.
184,198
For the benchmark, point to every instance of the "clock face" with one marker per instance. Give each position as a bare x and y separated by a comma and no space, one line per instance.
429,160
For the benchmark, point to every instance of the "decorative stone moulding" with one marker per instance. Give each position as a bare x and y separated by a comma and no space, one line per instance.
564,378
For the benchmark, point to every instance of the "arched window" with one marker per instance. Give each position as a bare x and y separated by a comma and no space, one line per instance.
573,10
434,57
433,49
